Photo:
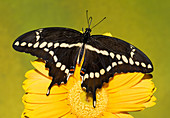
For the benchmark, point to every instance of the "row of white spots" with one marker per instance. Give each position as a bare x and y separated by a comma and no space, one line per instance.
37,35
132,51
92,75
42,45
102,71
63,45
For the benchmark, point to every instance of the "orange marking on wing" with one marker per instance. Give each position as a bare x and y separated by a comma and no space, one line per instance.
71,69
82,72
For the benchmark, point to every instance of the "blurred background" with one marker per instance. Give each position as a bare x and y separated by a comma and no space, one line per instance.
143,23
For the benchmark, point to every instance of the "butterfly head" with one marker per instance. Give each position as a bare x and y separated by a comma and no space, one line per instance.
88,30
86,34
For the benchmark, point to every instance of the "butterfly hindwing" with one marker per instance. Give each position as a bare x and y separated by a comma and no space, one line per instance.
59,48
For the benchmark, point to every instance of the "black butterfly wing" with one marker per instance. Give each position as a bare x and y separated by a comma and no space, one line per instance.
108,55
59,47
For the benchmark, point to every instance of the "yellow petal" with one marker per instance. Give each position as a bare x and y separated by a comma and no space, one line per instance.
38,98
69,115
146,83
123,81
37,83
151,102
130,96
54,110
40,66
124,115
122,107
109,115
26,113
116,115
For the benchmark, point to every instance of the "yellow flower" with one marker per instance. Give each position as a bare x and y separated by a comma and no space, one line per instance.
124,93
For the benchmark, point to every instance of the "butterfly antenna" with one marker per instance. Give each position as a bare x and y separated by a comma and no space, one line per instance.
98,22
89,19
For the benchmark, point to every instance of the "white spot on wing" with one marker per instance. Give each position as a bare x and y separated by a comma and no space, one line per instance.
120,62
23,43
50,44
56,45
132,54
112,55
143,64
40,30
36,45
37,33
75,45
133,50
131,61
131,46
102,71
89,47
104,52
91,75
149,66
124,59
108,68
46,49
30,44
55,58
64,45
63,67
37,37
86,76
137,63
97,75
67,71
17,43
114,64
42,45
51,53
58,64
118,56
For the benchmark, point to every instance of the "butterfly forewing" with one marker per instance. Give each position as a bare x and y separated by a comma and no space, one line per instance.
57,46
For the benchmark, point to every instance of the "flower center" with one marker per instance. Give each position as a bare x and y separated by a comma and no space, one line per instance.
82,103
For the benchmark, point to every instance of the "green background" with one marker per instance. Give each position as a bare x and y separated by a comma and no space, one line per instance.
143,23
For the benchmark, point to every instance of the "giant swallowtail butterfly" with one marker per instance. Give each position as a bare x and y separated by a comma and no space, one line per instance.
63,48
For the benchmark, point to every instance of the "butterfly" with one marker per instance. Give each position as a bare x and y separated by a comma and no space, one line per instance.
63,48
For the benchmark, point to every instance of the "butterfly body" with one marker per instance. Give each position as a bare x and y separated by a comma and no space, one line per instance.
63,48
